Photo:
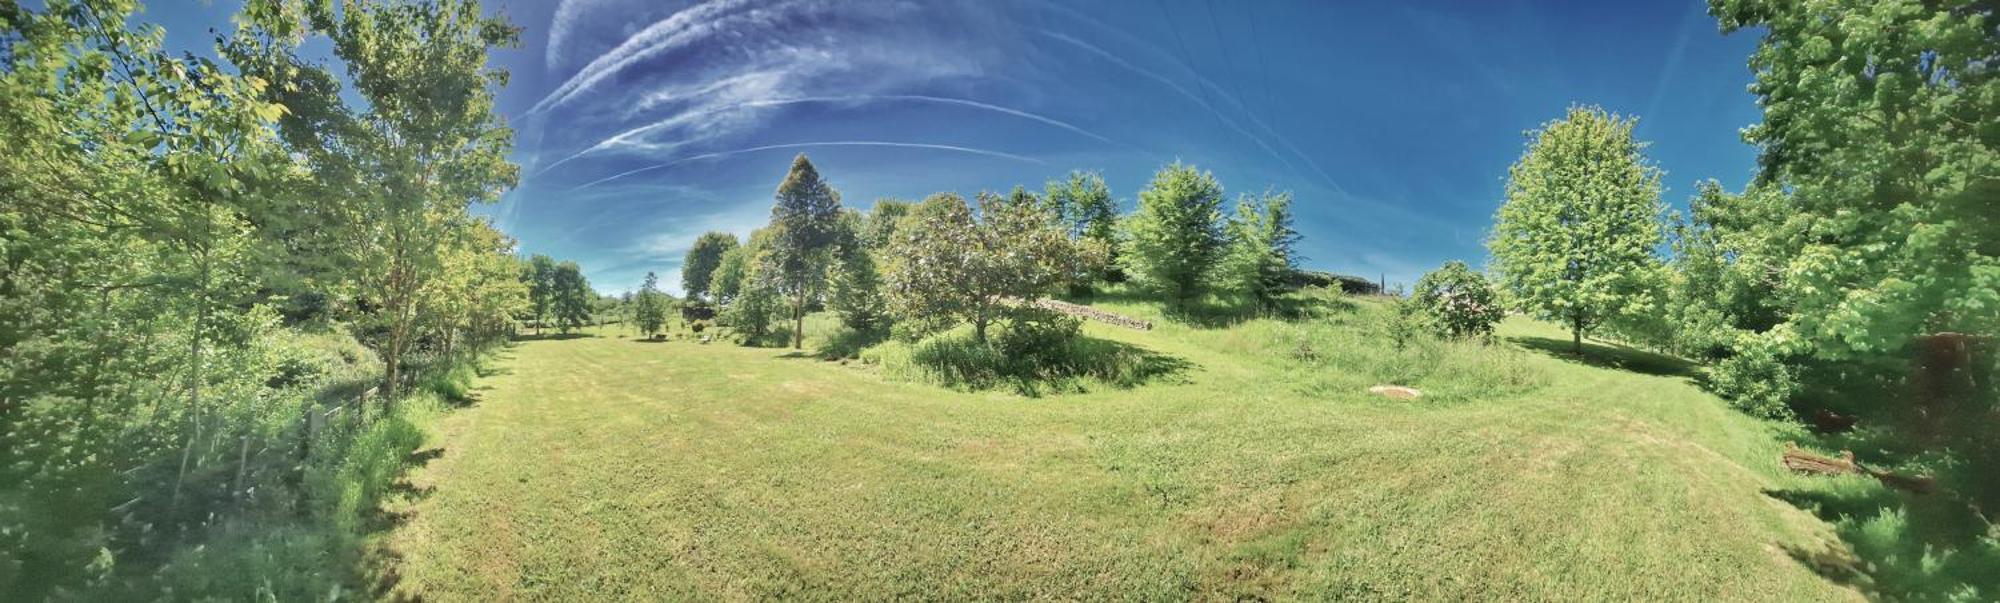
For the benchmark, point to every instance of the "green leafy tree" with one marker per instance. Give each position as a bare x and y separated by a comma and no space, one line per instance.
732,271
409,159
1458,302
805,223
1878,120
854,289
541,280
948,265
698,269
878,226
1262,251
1574,241
1175,239
649,307
572,297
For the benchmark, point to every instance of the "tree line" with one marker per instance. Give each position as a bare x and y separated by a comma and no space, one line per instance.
924,267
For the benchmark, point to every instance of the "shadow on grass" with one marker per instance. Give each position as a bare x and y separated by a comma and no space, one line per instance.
1611,356
552,336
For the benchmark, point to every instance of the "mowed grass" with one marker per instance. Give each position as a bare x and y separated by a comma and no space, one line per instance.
608,468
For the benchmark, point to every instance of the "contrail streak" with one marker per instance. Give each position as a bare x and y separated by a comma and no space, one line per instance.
801,145
1206,85
663,34
1176,87
687,117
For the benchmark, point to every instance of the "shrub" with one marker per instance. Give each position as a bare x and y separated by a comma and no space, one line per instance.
1459,302
1755,380
1030,357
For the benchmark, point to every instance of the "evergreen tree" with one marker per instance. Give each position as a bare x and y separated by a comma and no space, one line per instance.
1263,248
804,222
649,306
1175,239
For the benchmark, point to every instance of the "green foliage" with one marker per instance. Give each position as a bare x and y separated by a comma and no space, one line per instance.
1034,356
1723,270
1175,239
1084,205
948,265
756,308
1262,254
1574,242
698,269
1878,120
572,297
854,289
1755,378
160,210
1458,301
541,277
805,224
649,306
878,226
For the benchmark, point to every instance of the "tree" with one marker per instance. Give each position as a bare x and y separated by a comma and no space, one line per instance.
1457,301
541,276
1083,202
854,289
732,271
572,297
878,227
698,269
1262,249
804,223
1574,241
649,307
409,159
948,265
1878,120
1175,238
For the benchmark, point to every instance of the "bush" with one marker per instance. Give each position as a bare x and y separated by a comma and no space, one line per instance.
1459,302
1031,357
1755,380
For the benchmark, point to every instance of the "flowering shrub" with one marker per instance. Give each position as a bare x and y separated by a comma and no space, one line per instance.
1458,301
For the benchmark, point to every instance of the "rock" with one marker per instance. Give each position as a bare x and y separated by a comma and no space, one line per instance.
1396,392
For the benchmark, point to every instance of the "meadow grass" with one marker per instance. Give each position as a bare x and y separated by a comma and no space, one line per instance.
606,467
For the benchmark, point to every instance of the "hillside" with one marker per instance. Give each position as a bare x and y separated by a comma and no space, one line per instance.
604,466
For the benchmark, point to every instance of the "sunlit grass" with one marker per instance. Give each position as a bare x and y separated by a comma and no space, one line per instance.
610,468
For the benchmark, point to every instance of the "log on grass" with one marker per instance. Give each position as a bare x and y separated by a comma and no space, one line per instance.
1800,461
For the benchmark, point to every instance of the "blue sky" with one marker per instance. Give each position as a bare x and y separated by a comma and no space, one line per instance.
643,123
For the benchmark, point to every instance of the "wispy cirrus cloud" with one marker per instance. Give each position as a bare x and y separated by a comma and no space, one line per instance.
808,145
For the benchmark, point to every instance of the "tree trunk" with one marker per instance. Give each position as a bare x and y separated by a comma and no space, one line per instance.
799,321
1576,335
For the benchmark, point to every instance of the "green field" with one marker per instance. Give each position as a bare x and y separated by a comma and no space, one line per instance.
603,466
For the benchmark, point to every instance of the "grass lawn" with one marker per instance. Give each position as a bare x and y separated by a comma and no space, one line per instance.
604,467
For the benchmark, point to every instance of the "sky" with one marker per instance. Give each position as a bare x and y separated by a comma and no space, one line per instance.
641,124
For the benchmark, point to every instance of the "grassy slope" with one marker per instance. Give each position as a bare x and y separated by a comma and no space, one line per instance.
608,467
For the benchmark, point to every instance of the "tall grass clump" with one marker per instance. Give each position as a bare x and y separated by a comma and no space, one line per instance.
1030,358
1382,346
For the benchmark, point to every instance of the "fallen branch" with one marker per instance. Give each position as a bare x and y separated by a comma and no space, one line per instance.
1800,461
